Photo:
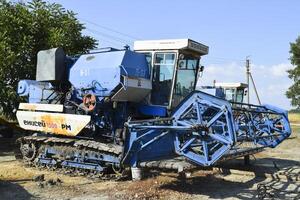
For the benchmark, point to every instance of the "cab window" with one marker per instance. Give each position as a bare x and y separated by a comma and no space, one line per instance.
240,95
229,94
162,77
185,79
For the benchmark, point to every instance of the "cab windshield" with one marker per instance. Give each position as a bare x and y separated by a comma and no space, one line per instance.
234,94
186,78
240,95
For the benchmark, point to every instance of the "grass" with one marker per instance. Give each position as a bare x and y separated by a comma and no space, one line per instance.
294,117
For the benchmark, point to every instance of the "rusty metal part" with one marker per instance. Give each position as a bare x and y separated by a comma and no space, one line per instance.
29,151
180,164
89,102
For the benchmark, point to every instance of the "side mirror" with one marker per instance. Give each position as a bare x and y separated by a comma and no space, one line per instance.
201,68
181,57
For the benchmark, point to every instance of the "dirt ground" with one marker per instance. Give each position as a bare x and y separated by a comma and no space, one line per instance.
273,174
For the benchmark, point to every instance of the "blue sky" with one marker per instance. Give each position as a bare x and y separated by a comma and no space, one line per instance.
232,29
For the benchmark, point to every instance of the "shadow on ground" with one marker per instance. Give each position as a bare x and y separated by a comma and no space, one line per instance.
272,178
7,146
260,166
214,187
12,190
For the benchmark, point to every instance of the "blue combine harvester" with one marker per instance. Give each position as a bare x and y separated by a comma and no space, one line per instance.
103,111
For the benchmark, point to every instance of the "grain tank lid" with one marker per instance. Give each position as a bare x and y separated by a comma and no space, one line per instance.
103,67
106,68
135,65
131,64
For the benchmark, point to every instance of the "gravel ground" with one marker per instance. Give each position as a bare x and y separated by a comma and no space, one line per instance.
273,174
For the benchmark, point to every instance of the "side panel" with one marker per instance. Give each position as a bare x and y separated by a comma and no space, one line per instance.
134,90
41,107
55,123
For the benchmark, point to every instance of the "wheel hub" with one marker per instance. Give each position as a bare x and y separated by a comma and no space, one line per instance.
29,151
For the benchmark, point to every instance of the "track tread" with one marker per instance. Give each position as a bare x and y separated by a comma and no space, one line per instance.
93,145
77,144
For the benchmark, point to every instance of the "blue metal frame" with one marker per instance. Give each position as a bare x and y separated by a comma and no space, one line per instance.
204,129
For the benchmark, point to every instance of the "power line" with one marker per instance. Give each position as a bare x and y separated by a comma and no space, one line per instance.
107,41
110,29
221,62
120,40
226,59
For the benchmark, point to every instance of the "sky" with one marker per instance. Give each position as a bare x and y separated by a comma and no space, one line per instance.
233,30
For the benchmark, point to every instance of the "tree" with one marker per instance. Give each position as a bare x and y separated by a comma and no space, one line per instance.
26,29
293,92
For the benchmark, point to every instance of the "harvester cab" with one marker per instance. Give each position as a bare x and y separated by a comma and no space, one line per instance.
232,92
175,68
98,112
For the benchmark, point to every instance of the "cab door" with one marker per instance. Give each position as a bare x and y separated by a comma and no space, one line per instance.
162,78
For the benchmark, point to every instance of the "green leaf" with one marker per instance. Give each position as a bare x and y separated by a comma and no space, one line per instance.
26,29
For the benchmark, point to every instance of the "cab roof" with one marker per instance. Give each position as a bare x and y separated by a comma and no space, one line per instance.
231,85
171,44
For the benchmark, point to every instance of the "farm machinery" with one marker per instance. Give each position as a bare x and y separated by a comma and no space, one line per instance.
100,112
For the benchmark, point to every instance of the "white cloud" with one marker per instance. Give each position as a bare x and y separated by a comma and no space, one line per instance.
271,81
281,69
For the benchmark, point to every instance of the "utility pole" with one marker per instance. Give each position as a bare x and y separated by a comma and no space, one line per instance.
247,157
248,76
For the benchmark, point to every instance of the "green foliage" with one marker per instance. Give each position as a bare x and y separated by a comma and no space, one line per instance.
26,29
293,92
